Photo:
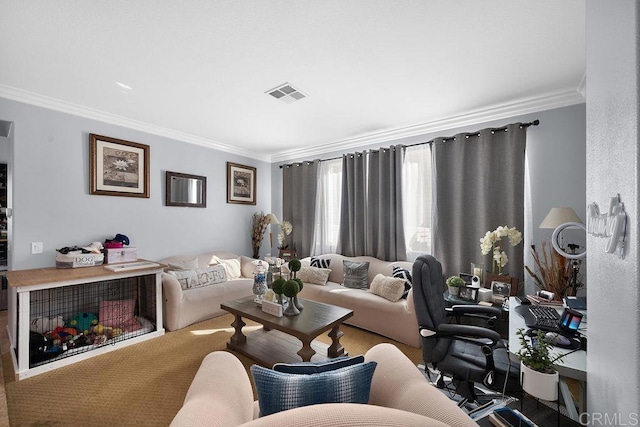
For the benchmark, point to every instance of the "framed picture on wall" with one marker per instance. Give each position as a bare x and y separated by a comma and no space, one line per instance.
241,184
118,168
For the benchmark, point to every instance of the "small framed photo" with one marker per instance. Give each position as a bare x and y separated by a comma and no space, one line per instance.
511,281
118,168
241,184
500,290
468,293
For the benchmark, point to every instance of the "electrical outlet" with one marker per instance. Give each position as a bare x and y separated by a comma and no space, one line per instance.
36,248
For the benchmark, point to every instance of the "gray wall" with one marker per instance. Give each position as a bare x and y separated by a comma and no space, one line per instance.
556,154
613,120
52,203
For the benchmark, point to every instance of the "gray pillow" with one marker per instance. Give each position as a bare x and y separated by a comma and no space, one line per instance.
356,274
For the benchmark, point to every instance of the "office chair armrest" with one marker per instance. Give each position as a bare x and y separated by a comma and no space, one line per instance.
461,310
448,329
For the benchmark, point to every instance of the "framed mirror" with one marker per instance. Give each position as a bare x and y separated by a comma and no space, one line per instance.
186,190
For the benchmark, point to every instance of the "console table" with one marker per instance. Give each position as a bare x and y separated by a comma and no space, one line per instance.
50,292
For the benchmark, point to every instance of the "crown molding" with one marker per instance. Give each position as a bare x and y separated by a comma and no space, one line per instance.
496,112
90,113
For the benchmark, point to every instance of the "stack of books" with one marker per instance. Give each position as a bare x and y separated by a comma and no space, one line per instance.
542,301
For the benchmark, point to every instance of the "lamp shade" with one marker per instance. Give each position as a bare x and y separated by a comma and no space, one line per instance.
559,216
272,219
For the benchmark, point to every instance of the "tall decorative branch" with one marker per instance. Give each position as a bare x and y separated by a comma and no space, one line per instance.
259,226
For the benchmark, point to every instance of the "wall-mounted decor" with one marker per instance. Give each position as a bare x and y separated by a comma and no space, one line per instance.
186,190
241,184
118,168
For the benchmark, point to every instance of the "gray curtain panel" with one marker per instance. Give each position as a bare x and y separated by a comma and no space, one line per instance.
385,231
371,221
353,218
299,183
479,185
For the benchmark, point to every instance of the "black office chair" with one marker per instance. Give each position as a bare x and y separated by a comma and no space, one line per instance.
468,354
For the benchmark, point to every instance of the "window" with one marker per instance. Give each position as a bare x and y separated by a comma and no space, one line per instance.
328,200
416,195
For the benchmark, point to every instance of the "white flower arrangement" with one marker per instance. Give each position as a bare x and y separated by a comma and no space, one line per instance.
492,242
285,229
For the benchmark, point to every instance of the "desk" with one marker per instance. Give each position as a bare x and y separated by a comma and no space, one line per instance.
574,365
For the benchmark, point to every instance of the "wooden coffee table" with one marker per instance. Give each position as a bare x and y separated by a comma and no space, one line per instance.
287,339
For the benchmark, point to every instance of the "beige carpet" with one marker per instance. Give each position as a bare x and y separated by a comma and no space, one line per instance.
140,385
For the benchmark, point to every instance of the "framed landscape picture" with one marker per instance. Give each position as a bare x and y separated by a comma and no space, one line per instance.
241,184
118,168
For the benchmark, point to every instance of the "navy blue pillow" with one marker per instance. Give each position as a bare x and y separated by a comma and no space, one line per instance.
308,368
405,274
278,391
320,262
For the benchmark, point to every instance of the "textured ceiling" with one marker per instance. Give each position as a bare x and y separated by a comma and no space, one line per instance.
198,70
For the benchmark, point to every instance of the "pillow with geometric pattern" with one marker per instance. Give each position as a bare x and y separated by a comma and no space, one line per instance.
405,274
278,391
320,262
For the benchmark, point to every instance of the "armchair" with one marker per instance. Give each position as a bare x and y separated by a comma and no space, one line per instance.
468,354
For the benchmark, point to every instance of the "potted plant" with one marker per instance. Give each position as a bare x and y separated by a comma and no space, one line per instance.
290,289
538,373
276,287
454,283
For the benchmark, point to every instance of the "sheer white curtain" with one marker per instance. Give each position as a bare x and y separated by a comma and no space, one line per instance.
328,199
417,189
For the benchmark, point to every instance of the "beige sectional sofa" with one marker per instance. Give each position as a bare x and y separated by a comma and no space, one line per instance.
221,395
395,320
183,307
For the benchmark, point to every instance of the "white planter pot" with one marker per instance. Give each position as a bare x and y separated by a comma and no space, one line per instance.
453,290
539,385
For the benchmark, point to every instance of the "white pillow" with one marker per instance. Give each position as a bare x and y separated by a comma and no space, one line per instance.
231,266
315,275
187,264
390,288
200,277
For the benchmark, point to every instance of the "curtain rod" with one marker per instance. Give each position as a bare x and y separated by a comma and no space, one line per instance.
536,122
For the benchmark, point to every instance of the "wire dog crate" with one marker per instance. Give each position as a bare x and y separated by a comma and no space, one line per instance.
80,313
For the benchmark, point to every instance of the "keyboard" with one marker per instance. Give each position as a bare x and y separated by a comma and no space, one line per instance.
539,317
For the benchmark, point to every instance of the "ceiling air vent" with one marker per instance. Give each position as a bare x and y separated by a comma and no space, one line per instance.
286,93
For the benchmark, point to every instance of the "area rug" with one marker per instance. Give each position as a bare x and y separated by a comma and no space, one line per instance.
140,385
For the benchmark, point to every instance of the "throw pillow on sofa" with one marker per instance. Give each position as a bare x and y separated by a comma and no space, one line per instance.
317,276
278,391
356,274
187,264
308,368
320,262
405,274
200,277
390,288
231,266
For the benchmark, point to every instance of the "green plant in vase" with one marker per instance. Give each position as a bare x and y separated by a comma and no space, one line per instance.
277,288
454,283
296,301
294,266
539,375
290,289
